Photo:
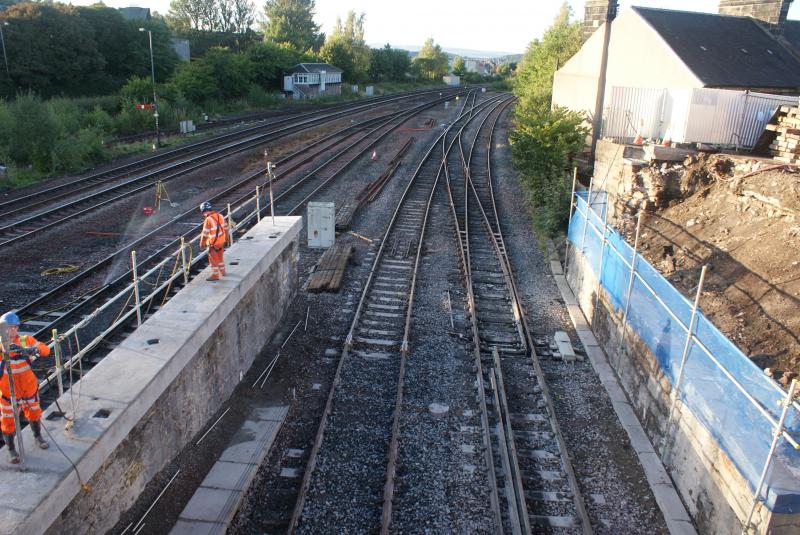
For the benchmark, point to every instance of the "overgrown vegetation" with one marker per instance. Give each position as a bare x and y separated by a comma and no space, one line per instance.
546,138
55,119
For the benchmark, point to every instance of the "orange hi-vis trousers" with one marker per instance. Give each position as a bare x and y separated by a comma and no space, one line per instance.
26,386
214,235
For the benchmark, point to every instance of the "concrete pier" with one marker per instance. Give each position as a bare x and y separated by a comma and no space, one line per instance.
140,406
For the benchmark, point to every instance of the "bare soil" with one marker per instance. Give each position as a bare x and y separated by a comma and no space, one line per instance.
740,217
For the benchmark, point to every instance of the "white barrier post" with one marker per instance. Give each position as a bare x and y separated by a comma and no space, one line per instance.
777,433
136,288
258,203
59,367
184,265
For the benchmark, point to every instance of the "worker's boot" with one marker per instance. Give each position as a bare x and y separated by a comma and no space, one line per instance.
13,456
36,427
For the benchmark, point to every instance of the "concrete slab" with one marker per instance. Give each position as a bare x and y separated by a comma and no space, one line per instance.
249,441
227,475
209,505
678,520
225,484
197,527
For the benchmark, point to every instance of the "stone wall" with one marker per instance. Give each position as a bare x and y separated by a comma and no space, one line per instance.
158,388
771,11
714,492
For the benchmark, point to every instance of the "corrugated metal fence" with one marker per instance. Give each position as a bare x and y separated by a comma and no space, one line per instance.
713,116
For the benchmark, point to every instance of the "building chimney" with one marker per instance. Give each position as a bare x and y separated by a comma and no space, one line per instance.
773,12
596,12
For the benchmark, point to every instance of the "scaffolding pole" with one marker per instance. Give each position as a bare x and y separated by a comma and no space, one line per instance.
777,433
630,287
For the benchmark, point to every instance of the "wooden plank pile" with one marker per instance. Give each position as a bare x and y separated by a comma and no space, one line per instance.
786,147
331,269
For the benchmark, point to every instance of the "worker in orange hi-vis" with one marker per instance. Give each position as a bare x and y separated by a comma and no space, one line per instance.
214,236
19,350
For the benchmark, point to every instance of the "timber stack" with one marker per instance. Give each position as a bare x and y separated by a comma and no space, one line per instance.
786,147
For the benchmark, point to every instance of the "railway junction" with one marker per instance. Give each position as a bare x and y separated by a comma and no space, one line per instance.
443,384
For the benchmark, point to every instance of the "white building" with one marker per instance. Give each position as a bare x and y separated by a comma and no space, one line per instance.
310,80
661,48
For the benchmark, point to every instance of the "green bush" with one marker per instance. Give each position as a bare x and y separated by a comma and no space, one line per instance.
543,143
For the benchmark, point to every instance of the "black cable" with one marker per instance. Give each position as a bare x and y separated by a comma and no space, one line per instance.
85,486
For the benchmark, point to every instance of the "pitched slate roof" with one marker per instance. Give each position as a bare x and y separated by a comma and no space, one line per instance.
725,51
135,13
313,67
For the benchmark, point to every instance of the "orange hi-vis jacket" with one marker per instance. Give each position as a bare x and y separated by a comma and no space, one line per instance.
215,231
25,382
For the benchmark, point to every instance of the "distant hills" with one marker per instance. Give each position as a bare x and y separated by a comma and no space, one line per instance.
500,57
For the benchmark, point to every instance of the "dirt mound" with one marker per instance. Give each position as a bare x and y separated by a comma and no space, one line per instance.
741,217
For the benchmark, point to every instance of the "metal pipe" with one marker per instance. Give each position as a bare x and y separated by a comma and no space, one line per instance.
776,436
630,286
675,393
14,404
588,209
136,288
569,221
59,367
602,255
258,204
231,226
184,266
270,169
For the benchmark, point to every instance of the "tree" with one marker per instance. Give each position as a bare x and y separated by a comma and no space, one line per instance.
292,21
346,48
431,62
269,61
459,66
544,138
534,81
186,15
50,50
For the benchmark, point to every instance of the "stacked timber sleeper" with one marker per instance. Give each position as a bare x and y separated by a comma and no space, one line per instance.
786,147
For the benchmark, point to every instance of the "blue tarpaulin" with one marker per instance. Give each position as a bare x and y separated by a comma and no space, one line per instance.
740,418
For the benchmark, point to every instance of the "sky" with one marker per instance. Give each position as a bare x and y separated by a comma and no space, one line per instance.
505,26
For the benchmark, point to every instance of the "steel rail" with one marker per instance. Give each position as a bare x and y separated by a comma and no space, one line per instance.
48,194
194,163
496,238
394,442
311,463
240,204
464,252
188,213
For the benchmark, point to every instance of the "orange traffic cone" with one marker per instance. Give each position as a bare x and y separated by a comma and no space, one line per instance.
638,140
374,155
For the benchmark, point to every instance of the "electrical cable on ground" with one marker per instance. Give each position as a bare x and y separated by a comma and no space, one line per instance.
84,486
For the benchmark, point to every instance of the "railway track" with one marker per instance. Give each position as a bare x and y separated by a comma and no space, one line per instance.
355,441
535,484
29,215
307,172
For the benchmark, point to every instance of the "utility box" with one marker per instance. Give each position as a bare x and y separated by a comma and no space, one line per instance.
370,90
321,224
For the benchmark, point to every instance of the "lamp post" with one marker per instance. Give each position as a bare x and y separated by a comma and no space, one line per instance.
3,41
153,73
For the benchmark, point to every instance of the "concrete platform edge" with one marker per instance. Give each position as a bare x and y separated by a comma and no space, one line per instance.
675,515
